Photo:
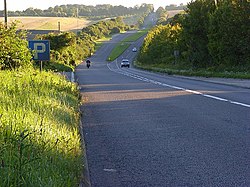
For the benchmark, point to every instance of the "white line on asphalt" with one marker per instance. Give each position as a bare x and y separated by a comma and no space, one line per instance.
175,87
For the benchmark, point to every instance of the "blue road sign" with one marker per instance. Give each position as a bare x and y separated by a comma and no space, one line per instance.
41,49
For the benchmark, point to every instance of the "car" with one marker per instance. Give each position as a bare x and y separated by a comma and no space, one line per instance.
134,49
125,63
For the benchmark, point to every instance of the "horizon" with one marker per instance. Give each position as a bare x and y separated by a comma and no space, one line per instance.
45,4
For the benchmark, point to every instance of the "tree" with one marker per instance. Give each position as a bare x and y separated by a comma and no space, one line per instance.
195,32
14,51
159,44
229,34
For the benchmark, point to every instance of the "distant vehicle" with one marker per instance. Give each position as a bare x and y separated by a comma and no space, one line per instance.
134,49
125,63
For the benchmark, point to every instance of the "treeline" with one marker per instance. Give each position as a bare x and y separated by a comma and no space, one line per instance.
77,10
209,35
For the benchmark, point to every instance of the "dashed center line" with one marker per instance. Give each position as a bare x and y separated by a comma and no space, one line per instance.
175,87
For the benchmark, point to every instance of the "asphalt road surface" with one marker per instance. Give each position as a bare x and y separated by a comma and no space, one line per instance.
144,129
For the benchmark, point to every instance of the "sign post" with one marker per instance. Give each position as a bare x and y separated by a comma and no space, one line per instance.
41,50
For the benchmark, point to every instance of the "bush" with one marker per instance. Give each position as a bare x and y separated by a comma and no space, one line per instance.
14,51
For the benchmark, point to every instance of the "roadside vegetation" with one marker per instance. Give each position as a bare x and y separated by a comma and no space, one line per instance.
39,133
118,50
40,143
208,39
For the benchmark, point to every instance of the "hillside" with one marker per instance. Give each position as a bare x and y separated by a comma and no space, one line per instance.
49,23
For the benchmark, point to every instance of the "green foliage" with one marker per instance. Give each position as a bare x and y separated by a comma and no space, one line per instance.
105,28
161,15
209,36
69,49
118,50
14,51
229,34
195,32
159,44
39,136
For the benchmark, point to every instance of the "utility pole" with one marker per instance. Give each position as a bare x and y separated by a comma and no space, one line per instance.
59,26
77,16
5,13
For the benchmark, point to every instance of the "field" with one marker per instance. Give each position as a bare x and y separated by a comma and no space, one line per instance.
172,13
49,23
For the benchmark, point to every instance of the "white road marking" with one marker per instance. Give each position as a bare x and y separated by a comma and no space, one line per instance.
176,87
109,170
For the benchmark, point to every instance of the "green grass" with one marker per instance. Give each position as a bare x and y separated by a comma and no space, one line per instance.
118,50
39,137
163,68
135,36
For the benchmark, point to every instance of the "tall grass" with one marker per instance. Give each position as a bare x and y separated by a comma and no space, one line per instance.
39,136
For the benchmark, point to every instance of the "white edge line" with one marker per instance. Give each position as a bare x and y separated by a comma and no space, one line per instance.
178,88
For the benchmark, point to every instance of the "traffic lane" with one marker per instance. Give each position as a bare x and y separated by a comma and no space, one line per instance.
229,93
129,54
167,139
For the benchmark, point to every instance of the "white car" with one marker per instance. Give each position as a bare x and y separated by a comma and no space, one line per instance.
134,49
125,63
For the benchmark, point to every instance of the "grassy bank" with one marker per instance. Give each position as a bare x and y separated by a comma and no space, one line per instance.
163,68
39,135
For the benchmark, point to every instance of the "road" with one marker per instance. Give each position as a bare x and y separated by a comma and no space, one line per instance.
144,129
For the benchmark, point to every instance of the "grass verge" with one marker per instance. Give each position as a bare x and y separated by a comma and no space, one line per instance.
186,72
135,36
39,136
118,50
124,44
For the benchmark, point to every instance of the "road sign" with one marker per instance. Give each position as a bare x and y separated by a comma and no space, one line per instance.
41,49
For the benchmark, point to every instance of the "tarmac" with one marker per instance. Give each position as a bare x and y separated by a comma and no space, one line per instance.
242,83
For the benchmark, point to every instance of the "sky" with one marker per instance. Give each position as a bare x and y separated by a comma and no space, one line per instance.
45,4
